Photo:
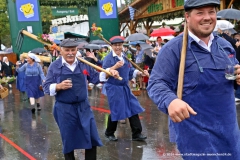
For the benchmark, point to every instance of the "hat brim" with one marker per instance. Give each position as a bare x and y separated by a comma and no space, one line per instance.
116,39
210,4
70,46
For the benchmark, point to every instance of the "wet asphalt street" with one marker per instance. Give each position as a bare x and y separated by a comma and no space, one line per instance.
26,136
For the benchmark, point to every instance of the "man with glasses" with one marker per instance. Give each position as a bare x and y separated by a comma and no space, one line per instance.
123,104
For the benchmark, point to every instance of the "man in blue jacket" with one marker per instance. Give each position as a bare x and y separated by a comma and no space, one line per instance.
204,121
123,104
67,81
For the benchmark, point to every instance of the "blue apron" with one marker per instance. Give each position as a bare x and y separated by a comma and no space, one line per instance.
21,86
206,132
33,82
74,116
123,104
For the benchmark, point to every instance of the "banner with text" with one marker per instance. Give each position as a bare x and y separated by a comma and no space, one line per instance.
64,11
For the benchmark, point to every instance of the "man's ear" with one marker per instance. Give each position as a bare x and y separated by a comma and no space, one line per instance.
186,16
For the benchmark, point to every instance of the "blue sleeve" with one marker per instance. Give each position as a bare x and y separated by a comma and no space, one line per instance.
107,63
229,39
49,80
132,69
93,75
23,68
41,72
227,46
99,62
163,79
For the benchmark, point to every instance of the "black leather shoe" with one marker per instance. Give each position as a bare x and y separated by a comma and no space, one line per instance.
111,138
38,107
139,137
33,110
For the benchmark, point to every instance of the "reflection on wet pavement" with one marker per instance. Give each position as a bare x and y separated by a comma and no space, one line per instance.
37,135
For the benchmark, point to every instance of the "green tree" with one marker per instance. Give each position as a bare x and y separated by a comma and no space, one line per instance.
127,2
46,16
66,3
4,25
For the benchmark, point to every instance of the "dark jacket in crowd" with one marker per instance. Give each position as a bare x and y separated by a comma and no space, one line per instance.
233,43
7,69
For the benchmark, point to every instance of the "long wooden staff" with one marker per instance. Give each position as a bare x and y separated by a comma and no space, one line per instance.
96,67
134,64
58,48
35,38
182,62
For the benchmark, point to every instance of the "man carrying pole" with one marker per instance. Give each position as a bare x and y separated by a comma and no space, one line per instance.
123,104
67,81
204,117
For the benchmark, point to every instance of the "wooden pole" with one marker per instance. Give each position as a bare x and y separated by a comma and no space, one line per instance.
182,62
230,4
42,58
35,38
96,67
58,48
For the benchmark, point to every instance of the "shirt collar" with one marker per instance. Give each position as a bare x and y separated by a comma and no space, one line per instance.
64,62
195,38
115,55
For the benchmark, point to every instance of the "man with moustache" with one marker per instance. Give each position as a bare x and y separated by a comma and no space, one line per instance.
67,81
205,120
123,104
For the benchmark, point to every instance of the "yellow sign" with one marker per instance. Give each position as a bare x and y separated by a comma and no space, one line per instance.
108,8
27,10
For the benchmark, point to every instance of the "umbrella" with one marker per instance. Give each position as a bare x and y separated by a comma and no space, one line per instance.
223,25
148,52
153,39
134,43
56,41
91,46
162,32
38,50
137,37
82,44
9,50
230,30
81,40
229,14
167,37
145,46
97,42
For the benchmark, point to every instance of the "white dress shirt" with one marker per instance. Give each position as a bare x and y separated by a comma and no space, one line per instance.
102,75
200,42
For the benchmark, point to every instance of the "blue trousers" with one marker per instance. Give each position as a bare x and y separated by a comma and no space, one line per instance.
237,92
